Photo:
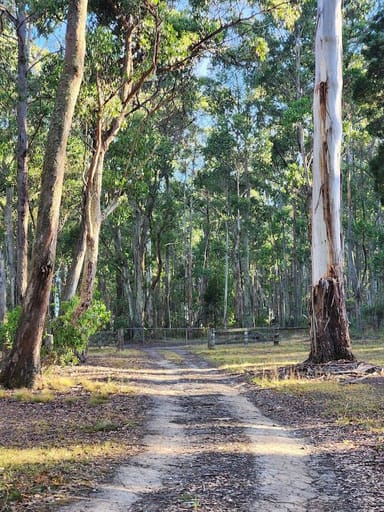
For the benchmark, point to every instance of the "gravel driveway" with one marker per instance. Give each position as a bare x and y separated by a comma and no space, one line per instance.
207,447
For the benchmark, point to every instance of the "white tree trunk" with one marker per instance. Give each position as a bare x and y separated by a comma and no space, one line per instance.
326,228
3,288
329,332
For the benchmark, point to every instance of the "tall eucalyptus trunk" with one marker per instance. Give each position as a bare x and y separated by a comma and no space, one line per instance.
22,365
226,267
329,328
21,152
123,281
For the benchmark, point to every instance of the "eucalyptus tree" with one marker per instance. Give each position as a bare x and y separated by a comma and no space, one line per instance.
22,365
16,14
8,130
361,203
330,338
158,42
139,168
27,19
368,91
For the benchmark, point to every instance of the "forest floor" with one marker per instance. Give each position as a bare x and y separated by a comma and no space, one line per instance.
156,430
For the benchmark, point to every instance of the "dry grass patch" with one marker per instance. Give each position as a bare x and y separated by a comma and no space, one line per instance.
26,395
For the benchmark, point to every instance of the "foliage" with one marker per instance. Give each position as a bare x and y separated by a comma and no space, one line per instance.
8,328
71,339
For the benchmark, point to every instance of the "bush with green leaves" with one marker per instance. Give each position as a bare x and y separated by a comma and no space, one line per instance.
8,328
71,338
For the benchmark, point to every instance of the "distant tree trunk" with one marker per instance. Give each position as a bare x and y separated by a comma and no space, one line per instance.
22,366
353,268
238,274
74,273
10,244
21,153
329,329
91,230
124,294
203,281
139,244
226,271
3,288
247,289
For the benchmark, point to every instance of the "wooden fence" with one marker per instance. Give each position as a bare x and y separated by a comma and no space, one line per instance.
243,335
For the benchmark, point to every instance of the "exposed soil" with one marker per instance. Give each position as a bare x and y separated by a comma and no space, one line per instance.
195,438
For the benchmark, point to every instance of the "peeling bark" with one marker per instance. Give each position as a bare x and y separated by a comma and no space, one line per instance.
329,328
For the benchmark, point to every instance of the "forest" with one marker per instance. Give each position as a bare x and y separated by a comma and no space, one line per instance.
182,195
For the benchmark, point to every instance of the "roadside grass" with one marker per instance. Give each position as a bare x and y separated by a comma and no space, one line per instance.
358,404
32,474
254,356
61,439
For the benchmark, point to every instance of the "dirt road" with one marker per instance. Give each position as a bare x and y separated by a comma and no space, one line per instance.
208,448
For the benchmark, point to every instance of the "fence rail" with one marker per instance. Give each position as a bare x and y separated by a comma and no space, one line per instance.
150,336
243,335
178,336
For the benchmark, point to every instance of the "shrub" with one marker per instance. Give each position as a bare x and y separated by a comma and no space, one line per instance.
71,339
8,328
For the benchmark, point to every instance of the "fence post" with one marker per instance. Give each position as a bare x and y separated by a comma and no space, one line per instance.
48,342
211,338
276,337
120,338
246,337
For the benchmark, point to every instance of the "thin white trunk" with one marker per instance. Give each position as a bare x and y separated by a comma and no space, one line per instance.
3,288
226,274
9,236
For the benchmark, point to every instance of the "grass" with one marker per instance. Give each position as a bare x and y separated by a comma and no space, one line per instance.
39,471
26,395
254,356
268,356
